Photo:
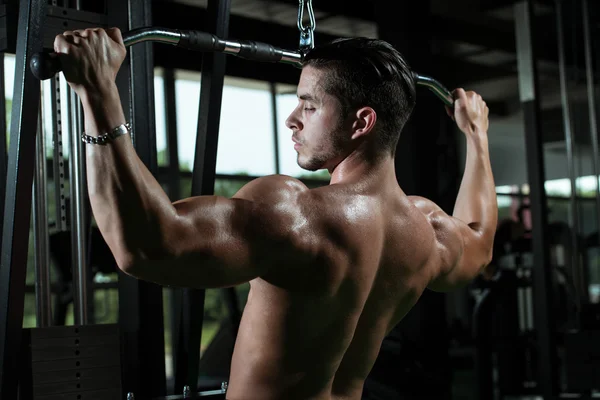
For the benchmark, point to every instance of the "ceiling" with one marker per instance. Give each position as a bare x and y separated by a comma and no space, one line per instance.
474,38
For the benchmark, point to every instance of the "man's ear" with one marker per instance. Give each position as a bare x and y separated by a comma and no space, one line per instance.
364,123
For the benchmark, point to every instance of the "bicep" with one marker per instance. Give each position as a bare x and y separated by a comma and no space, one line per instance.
211,242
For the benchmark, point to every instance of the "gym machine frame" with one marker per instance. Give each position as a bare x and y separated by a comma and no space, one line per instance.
45,66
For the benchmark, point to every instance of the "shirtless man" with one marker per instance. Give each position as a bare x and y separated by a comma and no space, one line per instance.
332,269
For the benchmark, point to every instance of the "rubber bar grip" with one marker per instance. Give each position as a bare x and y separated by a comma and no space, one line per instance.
258,51
200,41
45,65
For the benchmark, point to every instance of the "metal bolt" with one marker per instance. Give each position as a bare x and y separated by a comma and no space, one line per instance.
186,392
130,396
224,386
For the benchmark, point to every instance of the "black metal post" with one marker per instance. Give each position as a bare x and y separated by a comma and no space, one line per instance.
174,179
3,149
576,267
203,183
172,140
543,277
140,303
150,334
178,351
41,243
17,208
77,224
58,167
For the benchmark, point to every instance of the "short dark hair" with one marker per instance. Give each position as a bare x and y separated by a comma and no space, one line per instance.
368,72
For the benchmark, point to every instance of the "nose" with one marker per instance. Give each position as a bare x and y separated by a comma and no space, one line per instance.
292,122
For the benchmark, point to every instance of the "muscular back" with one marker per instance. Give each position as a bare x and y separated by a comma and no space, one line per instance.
356,261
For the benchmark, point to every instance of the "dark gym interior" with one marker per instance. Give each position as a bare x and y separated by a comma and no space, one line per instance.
527,328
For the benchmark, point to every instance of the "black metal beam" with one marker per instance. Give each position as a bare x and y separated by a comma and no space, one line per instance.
174,182
233,307
172,139
150,332
10,11
3,144
17,209
211,94
203,182
543,277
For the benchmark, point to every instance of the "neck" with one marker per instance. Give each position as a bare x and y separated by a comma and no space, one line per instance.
360,166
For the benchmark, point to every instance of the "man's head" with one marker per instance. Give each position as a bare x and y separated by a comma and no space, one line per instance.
350,90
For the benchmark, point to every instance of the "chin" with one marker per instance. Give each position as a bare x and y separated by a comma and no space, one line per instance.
309,165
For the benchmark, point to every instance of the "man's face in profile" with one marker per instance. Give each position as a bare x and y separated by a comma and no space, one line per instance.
317,129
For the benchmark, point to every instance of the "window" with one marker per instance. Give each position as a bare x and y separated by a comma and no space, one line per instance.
246,145
160,116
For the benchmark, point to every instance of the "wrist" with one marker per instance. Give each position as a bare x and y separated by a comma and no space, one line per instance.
93,97
102,109
478,137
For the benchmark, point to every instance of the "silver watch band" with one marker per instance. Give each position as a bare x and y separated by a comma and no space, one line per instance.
102,140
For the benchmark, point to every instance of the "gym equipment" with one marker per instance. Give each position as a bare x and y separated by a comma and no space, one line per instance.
46,65
188,394
71,362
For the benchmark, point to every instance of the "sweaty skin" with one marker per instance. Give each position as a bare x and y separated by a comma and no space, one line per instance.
331,270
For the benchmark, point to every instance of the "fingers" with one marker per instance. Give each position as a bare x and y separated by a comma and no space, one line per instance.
460,94
63,42
450,112
75,37
460,98
115,34
464,98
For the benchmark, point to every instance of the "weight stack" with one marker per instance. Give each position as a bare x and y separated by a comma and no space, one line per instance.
71,363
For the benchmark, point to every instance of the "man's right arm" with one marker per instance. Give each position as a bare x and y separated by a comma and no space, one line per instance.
466,238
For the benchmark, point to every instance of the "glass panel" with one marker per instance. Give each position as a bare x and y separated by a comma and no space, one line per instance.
159,112
228,187
246,136
246,143
187,95
9,82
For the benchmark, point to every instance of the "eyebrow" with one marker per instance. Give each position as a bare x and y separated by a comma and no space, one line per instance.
307,97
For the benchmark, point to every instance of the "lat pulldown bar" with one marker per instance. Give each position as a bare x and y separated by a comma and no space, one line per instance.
46,65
